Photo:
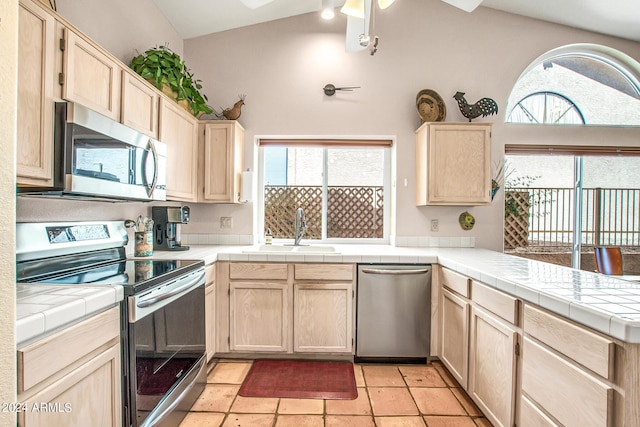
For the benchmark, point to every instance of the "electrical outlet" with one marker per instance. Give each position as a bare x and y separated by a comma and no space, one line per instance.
435,226
226,222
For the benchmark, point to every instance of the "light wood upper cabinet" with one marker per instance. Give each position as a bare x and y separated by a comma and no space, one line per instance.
90,77
36,58
322,317
221,153
139,105
453,164
179,130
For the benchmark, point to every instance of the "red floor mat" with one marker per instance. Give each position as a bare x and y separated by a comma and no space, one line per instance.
300,379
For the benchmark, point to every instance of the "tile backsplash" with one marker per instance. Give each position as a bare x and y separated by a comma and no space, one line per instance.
434,242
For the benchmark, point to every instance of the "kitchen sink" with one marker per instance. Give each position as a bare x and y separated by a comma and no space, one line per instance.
319,249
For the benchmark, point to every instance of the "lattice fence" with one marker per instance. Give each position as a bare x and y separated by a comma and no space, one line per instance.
353,212
516,219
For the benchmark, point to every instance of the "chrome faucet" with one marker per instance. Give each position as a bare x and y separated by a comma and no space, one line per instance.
300,225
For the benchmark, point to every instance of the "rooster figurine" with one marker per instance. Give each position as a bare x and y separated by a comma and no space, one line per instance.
484,107
234,112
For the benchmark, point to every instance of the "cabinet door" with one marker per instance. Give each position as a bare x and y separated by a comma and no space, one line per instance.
88,396
222,165
453,164
323,315
492,367
36,57
455,335
179,130
210,319
91,78
139,105
259,316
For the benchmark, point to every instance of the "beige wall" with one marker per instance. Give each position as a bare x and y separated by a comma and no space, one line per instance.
123,27
8,105
281,66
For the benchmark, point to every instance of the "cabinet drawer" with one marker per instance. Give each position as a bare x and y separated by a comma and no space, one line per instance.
586,348
273,271
39,360
210,274
568,393
531,416
455,281
495,301
323,272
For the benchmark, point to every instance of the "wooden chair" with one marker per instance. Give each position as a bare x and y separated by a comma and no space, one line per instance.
608,260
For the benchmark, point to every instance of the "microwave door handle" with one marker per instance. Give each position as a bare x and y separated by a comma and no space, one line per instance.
154,181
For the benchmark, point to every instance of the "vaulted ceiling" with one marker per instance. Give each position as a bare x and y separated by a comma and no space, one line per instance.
193,18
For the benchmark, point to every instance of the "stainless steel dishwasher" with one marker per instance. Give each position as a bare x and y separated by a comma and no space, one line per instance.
393,320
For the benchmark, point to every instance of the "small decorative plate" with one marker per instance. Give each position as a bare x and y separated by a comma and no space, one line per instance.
430,106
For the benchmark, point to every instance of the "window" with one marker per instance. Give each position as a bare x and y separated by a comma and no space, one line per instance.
578,84
546,107
343,188
558,207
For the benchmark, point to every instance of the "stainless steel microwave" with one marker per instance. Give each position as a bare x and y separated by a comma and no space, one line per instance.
98,158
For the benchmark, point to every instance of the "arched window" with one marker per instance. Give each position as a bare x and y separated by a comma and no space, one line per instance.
578,84
546,107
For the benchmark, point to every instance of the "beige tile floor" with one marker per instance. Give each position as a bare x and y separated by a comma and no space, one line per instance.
388,396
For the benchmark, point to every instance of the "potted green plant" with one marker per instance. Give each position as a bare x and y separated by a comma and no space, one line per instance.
165,69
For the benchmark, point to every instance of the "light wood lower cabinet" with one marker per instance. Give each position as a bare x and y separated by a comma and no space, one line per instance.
259,316
454,333
86,396
285,308
567,393
210,311
492,366
73,378
322,317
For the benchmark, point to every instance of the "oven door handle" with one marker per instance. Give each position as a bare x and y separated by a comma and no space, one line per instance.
184,288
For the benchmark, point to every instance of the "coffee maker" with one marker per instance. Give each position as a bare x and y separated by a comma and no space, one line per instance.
167,220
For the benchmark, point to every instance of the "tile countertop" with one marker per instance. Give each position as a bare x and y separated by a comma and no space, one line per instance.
604,303
43,309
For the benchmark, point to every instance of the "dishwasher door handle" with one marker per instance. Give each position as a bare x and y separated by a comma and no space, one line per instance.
394,272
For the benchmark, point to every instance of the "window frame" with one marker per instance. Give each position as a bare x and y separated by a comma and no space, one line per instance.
374,142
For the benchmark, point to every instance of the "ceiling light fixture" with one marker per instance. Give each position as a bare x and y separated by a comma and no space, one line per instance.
328,7
353,8
356,7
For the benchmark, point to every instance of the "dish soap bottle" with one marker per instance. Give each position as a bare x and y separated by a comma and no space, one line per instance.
268,237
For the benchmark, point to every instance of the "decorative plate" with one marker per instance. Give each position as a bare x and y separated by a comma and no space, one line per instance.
430,106
466,220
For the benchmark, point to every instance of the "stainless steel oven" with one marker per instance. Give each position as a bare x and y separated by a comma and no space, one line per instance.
162,314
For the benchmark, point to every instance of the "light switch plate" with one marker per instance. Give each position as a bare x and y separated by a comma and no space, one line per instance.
226,222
